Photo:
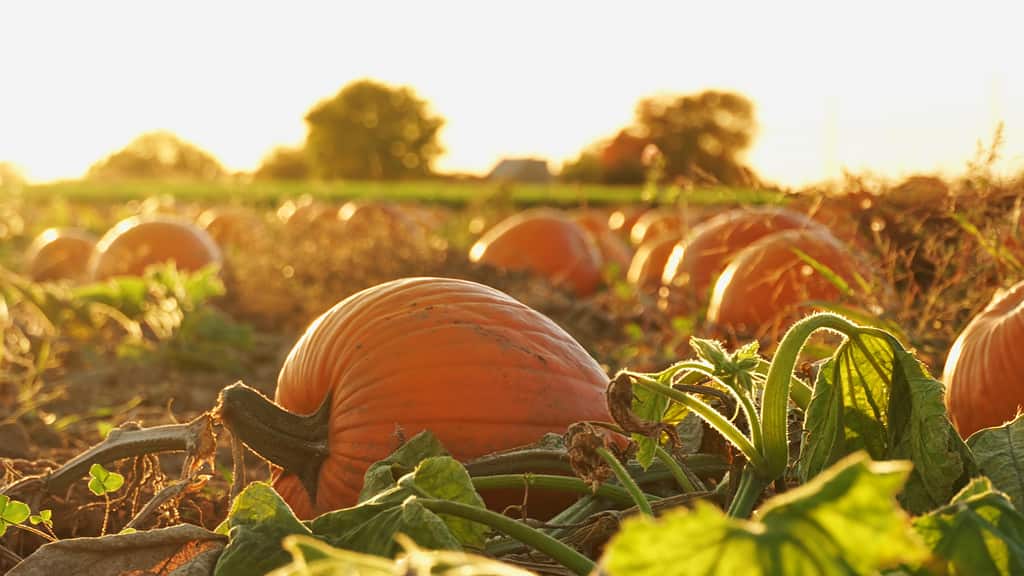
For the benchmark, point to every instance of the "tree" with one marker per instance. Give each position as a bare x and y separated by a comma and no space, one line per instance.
157,155
284,163
700,135
372,130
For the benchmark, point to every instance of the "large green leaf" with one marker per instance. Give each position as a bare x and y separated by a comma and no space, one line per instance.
370,527
873,395
383,474
259,519
979,532
999,452
846,521
445,478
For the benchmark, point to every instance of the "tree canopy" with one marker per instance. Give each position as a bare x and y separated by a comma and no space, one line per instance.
284,163
158,155
702,137
372,130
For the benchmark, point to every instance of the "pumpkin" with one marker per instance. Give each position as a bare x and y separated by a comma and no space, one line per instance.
984,368
698,259
298,215
648,263
227,225
765,280
479,369
622,220
136,243
544,242
362,217
60,253
656,223
613,249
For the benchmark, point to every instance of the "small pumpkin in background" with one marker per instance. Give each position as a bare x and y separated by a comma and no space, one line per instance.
621,221
984,370
648,263
298,214
362,217
698,259
229,226
613,249
60,254
544,242
655,224
136,243
765,281
480,370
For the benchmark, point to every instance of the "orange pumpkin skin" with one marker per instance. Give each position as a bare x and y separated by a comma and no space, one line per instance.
622,221
767,279
546,243
228,226
60,253
649,261
613,249
362,217
476,367
983,373
136,243
700,257
655,224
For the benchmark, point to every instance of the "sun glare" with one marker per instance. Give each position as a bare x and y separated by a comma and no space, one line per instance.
872,86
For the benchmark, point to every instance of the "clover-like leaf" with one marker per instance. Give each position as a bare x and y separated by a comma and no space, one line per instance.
103,481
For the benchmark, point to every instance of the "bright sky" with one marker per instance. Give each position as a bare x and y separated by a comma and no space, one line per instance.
888,86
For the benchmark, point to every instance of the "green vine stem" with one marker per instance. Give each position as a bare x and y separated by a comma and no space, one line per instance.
720,423
742,397
682,478
532,537
614,493
626,480
749,490
799,391
775,404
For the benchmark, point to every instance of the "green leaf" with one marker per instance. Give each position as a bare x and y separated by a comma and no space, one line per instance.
383,475
310,556
44,517
446,479
259,519
653,407
979,532
12,512
102,481
371,526
873,395
844,522
998,452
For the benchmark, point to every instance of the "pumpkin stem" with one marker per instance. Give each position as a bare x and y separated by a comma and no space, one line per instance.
295,442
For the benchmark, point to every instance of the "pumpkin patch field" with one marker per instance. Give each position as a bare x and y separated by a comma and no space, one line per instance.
438,379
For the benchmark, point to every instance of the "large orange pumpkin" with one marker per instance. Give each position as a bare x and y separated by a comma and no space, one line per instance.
765,280
649,261
480,370
622,220
60,253
545,242
698,259
984,371
136,243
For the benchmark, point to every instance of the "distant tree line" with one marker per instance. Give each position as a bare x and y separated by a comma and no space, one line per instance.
371,130
701,138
